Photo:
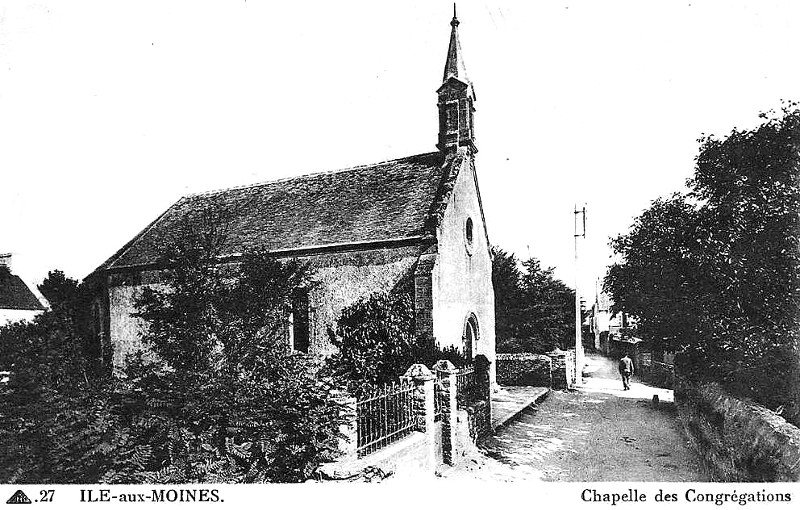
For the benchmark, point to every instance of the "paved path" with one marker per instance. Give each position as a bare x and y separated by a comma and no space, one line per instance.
598,433
510,401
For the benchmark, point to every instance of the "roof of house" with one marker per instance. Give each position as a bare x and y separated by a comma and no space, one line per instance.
389,201
14,294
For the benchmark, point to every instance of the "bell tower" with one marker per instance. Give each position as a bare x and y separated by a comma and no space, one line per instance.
456,99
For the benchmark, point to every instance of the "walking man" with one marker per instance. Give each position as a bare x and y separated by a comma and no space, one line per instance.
626,371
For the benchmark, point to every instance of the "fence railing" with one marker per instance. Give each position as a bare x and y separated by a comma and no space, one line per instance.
384,416
467,389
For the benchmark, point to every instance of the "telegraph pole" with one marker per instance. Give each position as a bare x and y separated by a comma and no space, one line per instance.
578,344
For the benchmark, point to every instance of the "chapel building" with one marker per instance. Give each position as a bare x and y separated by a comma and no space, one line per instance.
361,230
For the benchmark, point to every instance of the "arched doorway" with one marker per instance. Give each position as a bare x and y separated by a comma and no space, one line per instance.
470,337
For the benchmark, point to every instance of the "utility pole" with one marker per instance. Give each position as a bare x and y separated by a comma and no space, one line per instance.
578,344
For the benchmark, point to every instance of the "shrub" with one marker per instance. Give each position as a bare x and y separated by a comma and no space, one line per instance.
376,341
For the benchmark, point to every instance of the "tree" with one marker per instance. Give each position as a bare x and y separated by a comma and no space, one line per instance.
376,340
217,397
506,276
548,311
534,311
60,291
715,273
226,400
659,281
48,400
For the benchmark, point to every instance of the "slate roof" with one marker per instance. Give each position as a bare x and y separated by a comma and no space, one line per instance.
392,200
15,295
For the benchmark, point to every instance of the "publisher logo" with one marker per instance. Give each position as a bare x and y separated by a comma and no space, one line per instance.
19,498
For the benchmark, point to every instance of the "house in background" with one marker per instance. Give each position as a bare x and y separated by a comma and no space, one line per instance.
361,230
610,330
17,301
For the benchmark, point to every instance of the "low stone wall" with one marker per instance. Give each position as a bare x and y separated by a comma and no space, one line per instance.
738,440
407,457
524,369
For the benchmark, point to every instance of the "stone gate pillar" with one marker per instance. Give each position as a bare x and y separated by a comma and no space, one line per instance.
446,379
422,378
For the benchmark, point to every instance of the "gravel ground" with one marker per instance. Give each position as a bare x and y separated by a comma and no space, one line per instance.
598,433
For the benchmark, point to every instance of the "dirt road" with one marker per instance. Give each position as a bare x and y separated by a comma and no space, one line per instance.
598,433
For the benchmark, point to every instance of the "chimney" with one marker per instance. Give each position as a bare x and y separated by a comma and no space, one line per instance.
5,260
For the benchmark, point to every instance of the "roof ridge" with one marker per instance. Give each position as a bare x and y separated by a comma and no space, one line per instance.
301,176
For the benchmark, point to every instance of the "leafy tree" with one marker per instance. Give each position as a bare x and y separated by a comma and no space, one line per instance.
715,274
549,306
226,400
48,398
60,291
534,311
377,343
216,398
659,281
506,276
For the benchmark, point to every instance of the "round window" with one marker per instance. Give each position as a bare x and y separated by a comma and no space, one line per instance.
469,235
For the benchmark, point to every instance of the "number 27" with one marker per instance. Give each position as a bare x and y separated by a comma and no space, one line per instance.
46,496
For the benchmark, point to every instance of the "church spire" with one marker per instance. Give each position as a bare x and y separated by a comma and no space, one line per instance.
454,65
456,98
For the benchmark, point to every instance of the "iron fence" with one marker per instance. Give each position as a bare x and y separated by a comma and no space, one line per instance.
384,416
467,389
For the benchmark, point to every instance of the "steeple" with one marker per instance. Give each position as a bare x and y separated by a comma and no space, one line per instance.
456,99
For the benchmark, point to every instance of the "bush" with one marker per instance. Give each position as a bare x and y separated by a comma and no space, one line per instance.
376,341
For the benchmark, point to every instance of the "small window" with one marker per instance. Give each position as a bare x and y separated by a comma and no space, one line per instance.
299,323
469,235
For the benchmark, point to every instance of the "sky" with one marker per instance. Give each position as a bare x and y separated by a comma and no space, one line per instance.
111,111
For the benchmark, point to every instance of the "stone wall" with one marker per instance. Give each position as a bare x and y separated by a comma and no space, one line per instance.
563,369
739,441
125,330
341,279
407,457
525,369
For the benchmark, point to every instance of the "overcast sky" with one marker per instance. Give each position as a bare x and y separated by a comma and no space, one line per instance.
111,111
